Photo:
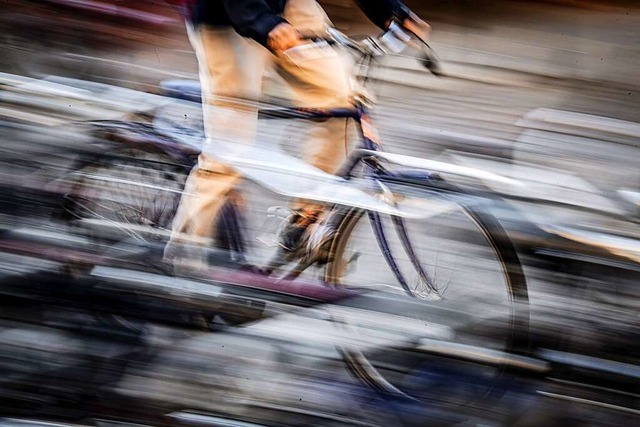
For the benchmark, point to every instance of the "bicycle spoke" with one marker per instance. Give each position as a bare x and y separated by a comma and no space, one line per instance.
463,268
135,195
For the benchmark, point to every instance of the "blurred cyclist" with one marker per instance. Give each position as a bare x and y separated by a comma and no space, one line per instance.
235,42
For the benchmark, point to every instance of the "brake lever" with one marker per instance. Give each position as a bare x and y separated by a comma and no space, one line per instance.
431,63
429,60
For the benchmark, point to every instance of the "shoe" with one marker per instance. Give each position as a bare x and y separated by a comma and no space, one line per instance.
305,237
293,236
319,242
308,236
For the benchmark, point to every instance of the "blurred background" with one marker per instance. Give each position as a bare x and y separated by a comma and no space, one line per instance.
94,332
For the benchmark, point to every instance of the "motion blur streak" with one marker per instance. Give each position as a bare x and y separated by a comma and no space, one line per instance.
100,124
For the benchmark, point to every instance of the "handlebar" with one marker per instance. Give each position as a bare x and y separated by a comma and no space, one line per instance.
392,41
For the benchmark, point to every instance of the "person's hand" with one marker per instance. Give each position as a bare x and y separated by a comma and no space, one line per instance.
417,26
421,30
283,37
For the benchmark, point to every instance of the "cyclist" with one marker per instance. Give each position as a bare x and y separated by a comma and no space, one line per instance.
235,41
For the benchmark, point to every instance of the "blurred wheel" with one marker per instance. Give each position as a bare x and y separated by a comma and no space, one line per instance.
133,194
465,268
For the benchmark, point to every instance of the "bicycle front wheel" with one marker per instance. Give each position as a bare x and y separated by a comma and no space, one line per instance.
465,269
463,254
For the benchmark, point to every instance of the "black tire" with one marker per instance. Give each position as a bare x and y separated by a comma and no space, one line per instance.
133,193
381,370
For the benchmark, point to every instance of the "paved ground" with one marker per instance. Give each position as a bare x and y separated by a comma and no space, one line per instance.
501,66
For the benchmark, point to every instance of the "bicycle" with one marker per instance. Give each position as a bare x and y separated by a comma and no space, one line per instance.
369,186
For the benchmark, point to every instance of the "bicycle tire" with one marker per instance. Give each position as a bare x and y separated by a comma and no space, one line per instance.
516,338
132,193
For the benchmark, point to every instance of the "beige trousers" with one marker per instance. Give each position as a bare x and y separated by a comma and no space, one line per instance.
231,71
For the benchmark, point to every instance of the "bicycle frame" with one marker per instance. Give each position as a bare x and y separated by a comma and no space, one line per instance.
369,141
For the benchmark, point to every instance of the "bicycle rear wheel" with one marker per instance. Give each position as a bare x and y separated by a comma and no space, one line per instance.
465,269
131,194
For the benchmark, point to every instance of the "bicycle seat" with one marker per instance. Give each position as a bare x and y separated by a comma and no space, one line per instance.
188,90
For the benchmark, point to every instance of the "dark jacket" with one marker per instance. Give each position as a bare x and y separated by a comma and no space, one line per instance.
256,18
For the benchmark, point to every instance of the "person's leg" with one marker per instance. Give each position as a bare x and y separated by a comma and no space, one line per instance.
318,78
230,69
